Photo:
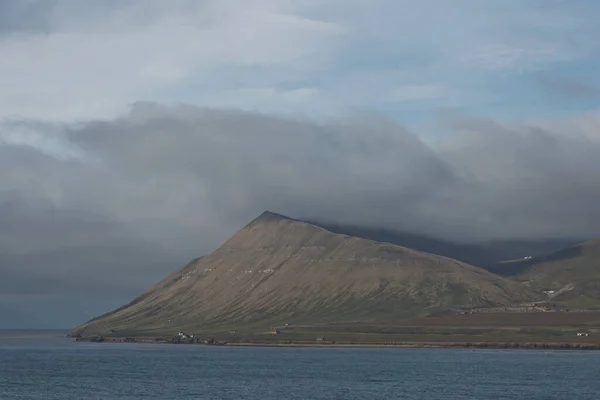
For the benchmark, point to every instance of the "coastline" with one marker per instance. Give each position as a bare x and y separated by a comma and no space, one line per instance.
396,345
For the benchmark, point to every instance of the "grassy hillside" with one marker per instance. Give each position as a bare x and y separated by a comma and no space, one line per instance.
278,270
571,276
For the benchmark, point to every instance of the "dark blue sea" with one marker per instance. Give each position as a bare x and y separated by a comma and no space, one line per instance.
49,367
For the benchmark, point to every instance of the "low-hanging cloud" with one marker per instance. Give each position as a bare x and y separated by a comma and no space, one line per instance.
111,206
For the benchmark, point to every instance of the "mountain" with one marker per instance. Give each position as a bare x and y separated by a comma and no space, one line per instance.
570,276
487,254
279,270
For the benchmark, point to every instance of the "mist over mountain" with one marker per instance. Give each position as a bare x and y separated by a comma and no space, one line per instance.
172,183
482,254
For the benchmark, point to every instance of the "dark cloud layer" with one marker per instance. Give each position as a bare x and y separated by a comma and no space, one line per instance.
92,214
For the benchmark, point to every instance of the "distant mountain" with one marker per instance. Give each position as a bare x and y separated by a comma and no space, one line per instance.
483,254
571,276
280,270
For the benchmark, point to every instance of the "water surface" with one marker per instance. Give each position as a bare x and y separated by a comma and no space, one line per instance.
50,367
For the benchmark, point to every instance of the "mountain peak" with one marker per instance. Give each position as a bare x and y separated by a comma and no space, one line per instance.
272,216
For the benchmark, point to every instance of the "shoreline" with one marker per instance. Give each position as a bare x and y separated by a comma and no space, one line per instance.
397,345
427,345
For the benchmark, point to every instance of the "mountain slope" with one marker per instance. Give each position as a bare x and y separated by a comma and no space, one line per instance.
572,274
487,255
277,270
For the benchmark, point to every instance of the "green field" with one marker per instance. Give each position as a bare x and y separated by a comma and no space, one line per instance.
535,329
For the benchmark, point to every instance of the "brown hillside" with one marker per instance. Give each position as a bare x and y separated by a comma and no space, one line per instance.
278,270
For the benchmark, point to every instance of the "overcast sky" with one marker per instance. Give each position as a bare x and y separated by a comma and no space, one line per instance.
136,135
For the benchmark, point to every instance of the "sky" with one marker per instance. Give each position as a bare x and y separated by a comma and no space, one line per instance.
137,135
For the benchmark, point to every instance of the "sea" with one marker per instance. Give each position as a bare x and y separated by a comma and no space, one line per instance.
48,366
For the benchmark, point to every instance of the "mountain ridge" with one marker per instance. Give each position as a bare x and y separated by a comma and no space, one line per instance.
488,255
277,268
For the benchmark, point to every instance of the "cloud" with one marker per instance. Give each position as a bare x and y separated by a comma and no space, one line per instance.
92,63
570,88
409,93
185,167
76,60
503,57
111,206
